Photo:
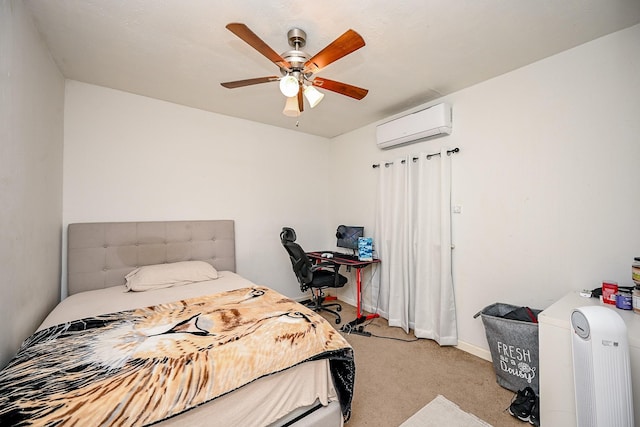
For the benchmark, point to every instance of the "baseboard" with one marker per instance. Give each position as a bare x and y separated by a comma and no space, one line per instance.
350,301
464,346
475,350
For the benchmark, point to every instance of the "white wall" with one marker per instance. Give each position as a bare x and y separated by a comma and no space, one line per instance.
31,139
547,177
131,158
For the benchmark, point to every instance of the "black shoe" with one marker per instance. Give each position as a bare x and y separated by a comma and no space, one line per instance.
534,418
522,404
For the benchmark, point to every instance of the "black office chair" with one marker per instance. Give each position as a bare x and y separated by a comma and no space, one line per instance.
316,277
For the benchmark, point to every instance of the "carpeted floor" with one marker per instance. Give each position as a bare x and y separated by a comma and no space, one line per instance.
395,379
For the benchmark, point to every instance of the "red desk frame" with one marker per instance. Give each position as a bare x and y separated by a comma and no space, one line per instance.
350,263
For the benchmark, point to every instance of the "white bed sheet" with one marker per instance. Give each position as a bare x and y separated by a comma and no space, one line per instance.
260,403
117,298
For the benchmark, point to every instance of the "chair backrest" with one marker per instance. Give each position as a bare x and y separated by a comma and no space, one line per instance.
299,260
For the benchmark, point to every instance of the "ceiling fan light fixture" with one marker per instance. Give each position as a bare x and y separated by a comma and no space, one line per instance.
289,86
291,107
313,95
297,68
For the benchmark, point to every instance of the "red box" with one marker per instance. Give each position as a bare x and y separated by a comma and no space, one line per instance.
609,291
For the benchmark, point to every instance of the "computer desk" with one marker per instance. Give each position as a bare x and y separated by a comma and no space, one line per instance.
340,260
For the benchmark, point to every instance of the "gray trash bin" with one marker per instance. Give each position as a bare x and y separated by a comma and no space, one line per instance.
513,345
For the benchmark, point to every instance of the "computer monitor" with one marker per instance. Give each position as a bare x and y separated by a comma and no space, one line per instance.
348,236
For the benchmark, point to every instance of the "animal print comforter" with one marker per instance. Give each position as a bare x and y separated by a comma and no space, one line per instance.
140,366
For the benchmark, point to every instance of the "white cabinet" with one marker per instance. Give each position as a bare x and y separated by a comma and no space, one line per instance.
557,396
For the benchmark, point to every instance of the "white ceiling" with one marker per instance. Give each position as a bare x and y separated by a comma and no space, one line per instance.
416,50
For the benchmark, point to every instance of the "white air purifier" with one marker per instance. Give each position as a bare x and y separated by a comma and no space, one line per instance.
601,371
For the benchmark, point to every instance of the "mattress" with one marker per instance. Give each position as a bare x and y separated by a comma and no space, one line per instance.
260,403
116,298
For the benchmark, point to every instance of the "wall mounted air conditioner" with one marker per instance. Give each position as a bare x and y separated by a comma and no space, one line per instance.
601,368
428,123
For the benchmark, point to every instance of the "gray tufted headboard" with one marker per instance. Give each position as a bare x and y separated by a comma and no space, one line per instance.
100,255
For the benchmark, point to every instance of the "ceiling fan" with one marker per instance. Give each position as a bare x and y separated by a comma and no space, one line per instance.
298,68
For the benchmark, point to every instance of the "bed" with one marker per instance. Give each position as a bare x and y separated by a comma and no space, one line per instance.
159,329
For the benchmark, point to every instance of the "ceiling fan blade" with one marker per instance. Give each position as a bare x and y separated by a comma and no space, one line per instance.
341,88
256,42
300,99
249,82
342,46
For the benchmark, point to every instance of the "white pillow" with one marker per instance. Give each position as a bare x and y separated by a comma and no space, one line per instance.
160,276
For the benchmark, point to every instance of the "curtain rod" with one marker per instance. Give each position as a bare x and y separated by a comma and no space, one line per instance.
429,156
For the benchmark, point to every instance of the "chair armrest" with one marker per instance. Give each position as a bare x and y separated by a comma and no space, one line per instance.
329,265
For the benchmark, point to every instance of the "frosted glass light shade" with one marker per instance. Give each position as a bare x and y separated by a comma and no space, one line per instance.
291,107
313,95
289,86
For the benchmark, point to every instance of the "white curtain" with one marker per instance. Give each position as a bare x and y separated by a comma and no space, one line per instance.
413,240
